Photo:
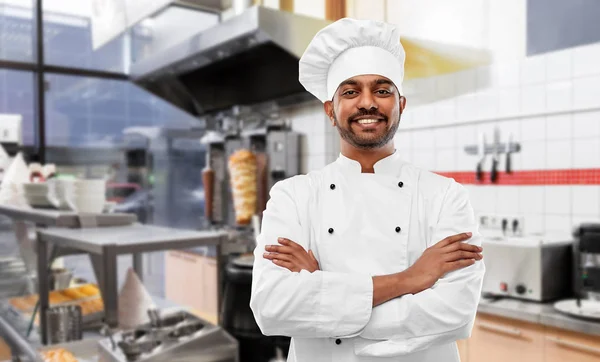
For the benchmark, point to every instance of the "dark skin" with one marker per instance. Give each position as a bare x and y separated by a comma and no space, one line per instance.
376,97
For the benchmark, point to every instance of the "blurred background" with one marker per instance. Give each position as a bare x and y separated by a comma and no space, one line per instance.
159,97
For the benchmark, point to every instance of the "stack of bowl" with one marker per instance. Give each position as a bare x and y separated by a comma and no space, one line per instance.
36,194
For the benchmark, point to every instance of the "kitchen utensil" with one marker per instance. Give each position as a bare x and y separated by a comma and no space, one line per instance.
508,153
481,156
181,336
64,324
588,309
494,172
208,180
60,279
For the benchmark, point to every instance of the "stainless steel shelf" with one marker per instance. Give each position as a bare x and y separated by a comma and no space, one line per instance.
104,245
67,219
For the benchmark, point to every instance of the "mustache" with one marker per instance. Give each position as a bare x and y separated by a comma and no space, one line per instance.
362,113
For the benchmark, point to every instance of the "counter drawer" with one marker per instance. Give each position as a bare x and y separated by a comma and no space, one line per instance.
496,339
561,345
191,280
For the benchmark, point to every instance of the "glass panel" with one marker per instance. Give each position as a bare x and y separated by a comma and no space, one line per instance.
17,98
68,38
112,129
17,30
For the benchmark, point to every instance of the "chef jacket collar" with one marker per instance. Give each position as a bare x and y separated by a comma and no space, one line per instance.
389,165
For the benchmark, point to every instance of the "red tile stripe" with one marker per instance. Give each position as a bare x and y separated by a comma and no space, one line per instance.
586,176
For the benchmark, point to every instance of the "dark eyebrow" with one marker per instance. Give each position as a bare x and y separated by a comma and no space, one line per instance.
381,81
348,82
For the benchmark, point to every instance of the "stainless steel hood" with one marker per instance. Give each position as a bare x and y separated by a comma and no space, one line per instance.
248,59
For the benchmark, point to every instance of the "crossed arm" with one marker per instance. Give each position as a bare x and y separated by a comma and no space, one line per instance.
432,302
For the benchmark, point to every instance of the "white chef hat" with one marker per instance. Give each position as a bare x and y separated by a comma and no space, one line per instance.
347,48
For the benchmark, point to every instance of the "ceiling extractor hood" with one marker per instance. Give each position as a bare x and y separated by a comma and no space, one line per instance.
248,59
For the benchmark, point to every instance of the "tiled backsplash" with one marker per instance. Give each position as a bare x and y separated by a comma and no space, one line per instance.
551,106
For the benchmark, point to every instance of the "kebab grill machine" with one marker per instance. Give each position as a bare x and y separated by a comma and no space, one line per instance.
242,165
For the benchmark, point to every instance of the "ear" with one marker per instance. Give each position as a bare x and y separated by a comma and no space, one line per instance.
402,103
328,107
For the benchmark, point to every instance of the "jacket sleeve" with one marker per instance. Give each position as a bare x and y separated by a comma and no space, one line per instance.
442,314
311,305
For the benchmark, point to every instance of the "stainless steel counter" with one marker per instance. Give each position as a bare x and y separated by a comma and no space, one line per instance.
67,219
539,313
104,245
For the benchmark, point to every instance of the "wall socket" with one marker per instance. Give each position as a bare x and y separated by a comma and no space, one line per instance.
10,128
509,225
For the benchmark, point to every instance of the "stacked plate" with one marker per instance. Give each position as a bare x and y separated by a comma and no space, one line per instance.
36,194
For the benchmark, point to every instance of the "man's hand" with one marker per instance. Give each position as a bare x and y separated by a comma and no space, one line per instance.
291,256
447,255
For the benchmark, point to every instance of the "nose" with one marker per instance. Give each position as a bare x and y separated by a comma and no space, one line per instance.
367,101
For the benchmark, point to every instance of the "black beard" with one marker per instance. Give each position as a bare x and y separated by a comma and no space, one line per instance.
366,144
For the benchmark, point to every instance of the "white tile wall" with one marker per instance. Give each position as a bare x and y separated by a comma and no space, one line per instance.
586,153
586,124
558,155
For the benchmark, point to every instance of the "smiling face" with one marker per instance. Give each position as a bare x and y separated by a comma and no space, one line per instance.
366,110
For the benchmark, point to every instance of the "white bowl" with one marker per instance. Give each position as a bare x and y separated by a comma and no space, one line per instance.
89,204
90,185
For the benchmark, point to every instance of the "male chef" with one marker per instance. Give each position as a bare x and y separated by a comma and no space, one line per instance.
370,258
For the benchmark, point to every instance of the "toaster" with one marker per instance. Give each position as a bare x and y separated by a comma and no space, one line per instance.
536,268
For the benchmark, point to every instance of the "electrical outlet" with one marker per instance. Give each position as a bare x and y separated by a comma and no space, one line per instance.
508,225
10,128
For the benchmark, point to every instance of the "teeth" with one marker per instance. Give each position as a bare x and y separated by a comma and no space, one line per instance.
367,121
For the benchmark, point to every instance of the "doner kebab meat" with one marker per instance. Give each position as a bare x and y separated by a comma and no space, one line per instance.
242,172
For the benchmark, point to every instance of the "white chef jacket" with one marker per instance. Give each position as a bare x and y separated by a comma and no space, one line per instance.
360,225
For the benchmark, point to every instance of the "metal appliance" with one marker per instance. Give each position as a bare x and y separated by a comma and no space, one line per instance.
536,268
176,337
277,150
586,274
586,261
247,59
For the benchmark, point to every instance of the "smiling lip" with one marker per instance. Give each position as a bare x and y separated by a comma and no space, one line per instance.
367,117
369,125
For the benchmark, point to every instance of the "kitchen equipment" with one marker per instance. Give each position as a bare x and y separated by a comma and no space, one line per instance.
536,268
237,317
248,59
586,273
60,279
175,337
495,157
208,180
508,153
277,151
481,156
64,324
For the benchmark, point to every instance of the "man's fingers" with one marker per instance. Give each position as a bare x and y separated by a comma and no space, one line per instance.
273,256
459,264
285,264
461,254
313,258
453,239
279,249
288,242
463,246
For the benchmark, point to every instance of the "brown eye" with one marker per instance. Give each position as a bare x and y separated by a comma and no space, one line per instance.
349,93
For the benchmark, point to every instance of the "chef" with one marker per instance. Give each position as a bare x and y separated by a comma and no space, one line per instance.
370,258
